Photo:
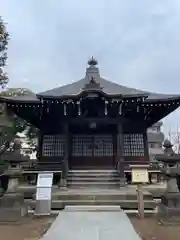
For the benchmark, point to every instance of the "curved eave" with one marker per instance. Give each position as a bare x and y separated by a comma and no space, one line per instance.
153,98
30,114
21,99
100,92
160,109
148,97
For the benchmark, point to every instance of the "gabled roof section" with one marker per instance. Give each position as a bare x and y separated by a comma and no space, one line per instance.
92,82
107,87
92,73
75,88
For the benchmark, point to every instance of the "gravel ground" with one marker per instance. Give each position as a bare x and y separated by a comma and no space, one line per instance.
151,229
30,229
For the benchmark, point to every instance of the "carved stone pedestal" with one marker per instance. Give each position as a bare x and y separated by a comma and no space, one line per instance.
12,208
171,200
13,184
169,208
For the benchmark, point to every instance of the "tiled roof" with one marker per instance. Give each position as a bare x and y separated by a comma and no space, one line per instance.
75,88
107,87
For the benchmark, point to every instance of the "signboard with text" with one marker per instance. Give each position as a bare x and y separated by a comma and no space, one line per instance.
140,175
43,193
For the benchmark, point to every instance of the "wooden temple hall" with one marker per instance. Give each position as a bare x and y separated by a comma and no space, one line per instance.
92,123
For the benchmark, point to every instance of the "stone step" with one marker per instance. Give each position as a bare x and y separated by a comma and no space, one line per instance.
92,183
129,212
93,171
124,204
99,197
103,176
90,178
128,193
93,175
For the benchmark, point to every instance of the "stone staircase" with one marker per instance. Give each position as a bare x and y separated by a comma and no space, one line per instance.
93,178
125,198
96,187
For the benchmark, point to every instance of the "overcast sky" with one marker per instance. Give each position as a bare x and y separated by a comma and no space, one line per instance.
137,43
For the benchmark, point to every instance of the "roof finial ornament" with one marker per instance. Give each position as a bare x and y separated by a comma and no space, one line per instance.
92,62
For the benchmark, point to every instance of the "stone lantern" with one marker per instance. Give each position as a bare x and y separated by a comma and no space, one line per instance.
5,138
14,171
12,207
170,167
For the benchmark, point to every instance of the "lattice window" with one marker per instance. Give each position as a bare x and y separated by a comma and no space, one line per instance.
60,145
48,144
90,145
87,146
103,145
127,145
133,144
53,145
82,145
77,145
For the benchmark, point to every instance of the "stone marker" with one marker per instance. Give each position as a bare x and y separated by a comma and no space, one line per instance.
95,222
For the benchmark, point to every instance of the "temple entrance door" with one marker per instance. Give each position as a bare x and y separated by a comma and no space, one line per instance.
92,151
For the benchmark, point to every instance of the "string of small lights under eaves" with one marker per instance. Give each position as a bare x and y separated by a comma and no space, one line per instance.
30,105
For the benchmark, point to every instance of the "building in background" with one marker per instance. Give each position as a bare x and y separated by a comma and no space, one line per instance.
155,139
26,147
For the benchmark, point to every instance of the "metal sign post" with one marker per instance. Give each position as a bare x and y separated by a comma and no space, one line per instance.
43,194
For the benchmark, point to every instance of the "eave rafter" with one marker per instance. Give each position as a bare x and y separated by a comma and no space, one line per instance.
155,111
26,111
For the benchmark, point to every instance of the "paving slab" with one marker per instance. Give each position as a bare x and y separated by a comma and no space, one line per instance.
97,223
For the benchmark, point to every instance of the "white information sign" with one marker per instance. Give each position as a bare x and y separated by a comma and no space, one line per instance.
140,175
43,193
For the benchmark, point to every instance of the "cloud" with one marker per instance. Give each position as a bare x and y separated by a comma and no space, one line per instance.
137,43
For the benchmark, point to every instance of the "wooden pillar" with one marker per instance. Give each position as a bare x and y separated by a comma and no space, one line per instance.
40,146
146,147
120,154
65,163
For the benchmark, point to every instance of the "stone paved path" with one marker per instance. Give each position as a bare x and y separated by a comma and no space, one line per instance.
97,223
